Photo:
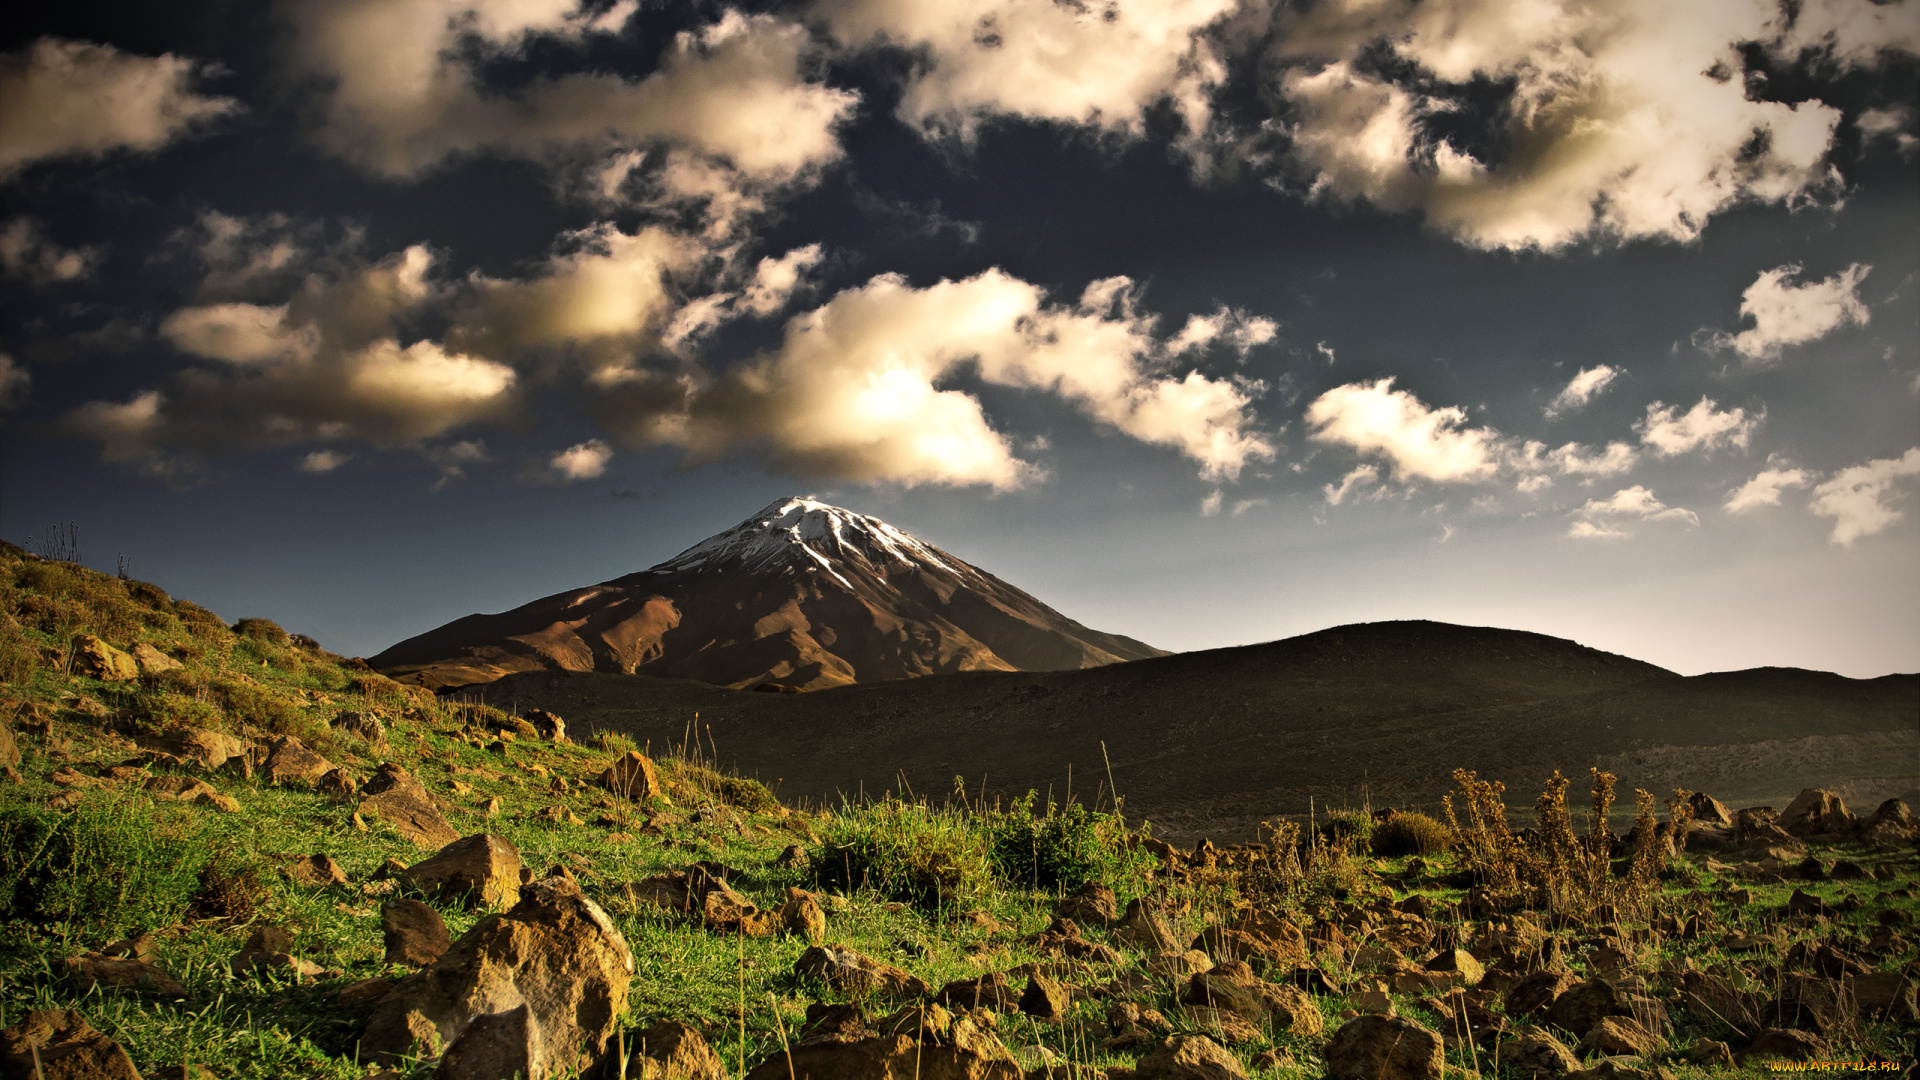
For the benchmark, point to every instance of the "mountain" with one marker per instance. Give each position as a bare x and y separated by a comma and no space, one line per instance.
1213,742
802,595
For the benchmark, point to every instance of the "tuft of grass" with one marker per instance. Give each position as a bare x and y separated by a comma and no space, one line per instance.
1410,834
1064,848
112,861
931,857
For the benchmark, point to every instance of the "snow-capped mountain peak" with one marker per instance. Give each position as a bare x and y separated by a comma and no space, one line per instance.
801,531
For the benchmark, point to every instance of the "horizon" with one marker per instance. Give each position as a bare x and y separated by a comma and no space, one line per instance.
1208,324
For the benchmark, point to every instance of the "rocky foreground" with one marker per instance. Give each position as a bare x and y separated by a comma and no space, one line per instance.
231,854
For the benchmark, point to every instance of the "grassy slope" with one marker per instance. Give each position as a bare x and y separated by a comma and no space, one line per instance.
258,1027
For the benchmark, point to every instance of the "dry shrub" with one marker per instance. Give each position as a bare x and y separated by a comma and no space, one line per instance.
1410,834
262,630
200,622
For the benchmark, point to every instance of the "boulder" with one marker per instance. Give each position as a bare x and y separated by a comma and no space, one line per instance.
1258,933
95,659
802,917
395,796
1582,1006
1373,1047
632,776
202,748
1142,927
482,869
364,726
1816,811
1461,962
923,1041
670,1050
1533,993
152,661
1781,1045
9,748
270,948
1616,1035
1190,1057
1536,1052
1045,999
548,725
538,989
851,973
59,1044
122,973
1094,904
1806,1002
187,789
1883,995
290,762
993,991
1709,810
415,934
316,872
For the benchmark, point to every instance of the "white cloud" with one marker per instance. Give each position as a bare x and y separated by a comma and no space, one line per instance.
406,96
248,258
240,333
1422,443
324,461
1889,123
1857,497
1765,489
14,382
124,430
1237,328
775,280
25,252
1096,64
581,461
1210,506
853,391
1702,427
1581,389
1600,518
1241,506
1624,120
1360,476
1573,460
61,98
1784,313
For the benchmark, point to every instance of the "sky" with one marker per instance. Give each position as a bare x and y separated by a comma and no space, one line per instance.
1209,322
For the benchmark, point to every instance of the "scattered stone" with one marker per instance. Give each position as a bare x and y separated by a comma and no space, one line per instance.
482,869
1710,1054
203,748
9,749
1536,1052
1258,933
270,948
1533,993
670,1050
923,1041
632,776
851,973
290,762
188,789
1617,1035
59,1044
338,783
1376,1047
95,659
1143,927
549,979
1582,1006
548,726
152,661
1190,1057
1460,961
1063,936
364,992
992,991
1621,1068
1816,811
1094,903
1781,1045
364,726
802,916
1889,995
316,872
415,934
123,973
1045,999
1709,810
396,796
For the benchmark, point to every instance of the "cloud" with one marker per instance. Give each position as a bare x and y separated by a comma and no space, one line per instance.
1784,313
1573,460
1765,489
63,98
1101,65
1210,506
775,280
1670,432
407,95
581,461
324,461
26,253
1600,518
252,258
1889,123
1857,497
1360,476
1584,387
14,382
854,391
328,363
1239,330
1241,506
1614,121
1421,443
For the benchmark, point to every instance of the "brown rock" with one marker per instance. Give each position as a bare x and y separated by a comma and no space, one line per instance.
1258,933
502,1045
482,869
991,991
271,948
1190,1057
1781,1045
1582,1006
548,725
1806,1002
316,872
1815,811
152,661
1535,1052
1227,995
127,973
1711,1054
338,783
9,748
632,776
1045,999
917,1042
415,934
1459,961
58,1044
851,973
1888,995
1094,904
1709,810
1141,926
670,1050
395,796
1622,1068
95,659
1533,993
364,992
555,955
290,762
203,748
801,916
1384,1048
364,726
1616,1035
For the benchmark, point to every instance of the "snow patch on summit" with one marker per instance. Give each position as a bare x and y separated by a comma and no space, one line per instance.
802,531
